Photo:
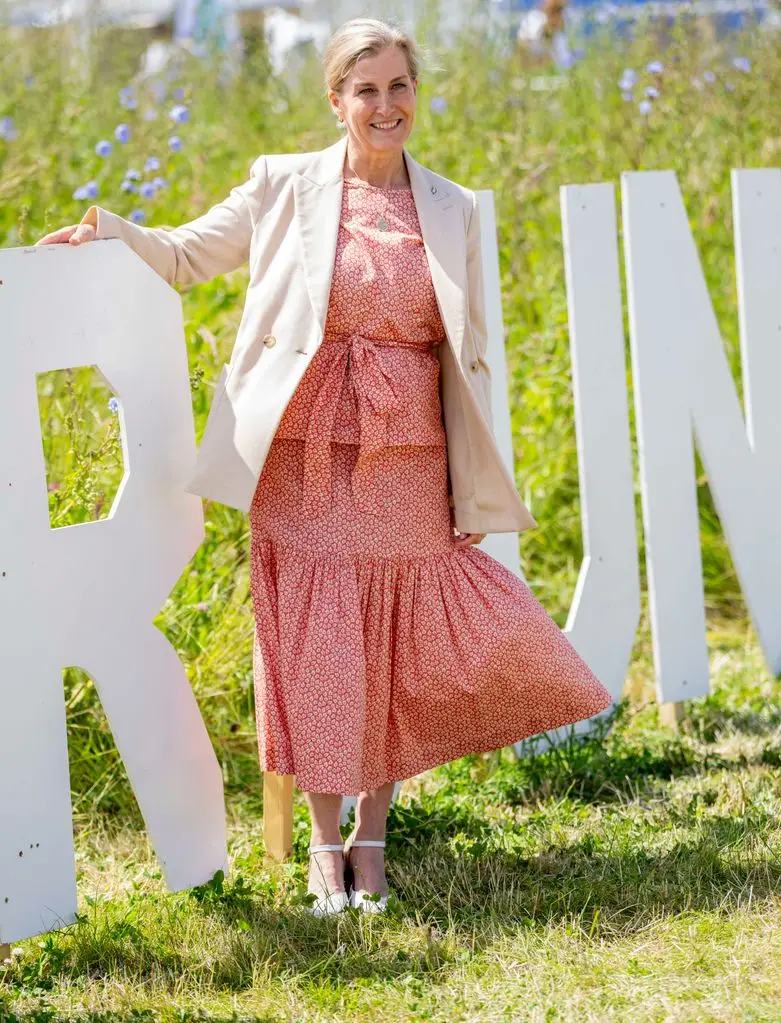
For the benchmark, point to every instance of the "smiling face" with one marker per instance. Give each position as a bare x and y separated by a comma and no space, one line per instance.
377,101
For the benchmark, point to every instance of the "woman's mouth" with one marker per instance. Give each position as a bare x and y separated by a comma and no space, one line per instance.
386,125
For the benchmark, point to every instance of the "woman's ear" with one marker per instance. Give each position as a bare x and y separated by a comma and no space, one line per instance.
333,99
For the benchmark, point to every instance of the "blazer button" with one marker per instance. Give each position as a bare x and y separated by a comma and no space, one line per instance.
474,366
269,340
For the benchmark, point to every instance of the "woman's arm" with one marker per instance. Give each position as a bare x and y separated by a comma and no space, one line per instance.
476,306
212,244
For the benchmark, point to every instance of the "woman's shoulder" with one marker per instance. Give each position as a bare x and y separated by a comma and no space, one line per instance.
277,166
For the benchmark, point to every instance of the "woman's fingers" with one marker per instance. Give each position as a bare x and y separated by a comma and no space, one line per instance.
83,233
56,237
467,539
74,234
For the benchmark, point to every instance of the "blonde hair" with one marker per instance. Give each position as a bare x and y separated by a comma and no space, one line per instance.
366,37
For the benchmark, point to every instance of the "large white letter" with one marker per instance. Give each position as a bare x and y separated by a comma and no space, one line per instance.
86,594
605,610
683,383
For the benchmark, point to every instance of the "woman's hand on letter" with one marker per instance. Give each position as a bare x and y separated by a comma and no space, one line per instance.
74,234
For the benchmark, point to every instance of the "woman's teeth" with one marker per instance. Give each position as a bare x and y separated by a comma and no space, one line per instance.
387,125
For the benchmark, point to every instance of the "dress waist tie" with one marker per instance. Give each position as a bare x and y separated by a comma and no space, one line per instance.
377,395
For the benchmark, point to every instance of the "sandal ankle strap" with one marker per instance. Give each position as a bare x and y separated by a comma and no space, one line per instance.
326,848
368,841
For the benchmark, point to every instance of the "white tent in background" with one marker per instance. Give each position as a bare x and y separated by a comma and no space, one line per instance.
125,13
288,37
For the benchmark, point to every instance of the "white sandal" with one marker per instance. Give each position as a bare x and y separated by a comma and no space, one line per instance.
361,899
332,902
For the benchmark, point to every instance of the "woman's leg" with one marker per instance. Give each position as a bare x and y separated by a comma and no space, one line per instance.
368,862
326,869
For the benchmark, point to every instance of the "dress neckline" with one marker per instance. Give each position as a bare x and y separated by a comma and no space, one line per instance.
379,188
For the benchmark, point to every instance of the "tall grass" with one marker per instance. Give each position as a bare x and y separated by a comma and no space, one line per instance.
492,127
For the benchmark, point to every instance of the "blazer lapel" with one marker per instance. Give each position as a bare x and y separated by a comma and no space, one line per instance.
443,229
318,203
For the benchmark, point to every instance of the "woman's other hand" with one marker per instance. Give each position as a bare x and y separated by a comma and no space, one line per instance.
464,539
467,539
74,234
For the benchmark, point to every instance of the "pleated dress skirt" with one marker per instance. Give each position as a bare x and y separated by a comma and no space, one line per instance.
382,650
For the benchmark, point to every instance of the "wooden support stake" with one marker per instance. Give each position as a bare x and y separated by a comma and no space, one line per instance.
671,714
278,816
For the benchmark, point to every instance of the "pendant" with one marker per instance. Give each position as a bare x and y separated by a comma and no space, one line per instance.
383,224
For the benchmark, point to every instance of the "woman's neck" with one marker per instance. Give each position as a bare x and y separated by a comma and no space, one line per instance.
385,170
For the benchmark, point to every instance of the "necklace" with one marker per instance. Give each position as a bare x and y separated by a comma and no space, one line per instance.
380,222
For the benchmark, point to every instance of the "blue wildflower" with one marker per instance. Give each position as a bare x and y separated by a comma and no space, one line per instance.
128,186
152,164
709,77
7,130
655,67
626,96
730,87
113,404
122,133
578,53
103,148
179,92
80,193
652,92
627,80
160,183
150,114
127,99
645,106
91,189
132,175
179,113
438,104
137,216
147,190
742,64
175,144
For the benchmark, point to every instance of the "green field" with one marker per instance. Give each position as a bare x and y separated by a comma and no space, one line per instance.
631,877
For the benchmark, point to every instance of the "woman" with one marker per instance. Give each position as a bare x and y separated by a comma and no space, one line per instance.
354,424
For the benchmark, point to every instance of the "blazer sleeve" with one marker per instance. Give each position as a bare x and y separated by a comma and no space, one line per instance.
212,244
476,306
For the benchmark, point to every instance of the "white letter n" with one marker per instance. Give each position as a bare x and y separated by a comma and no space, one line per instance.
682,382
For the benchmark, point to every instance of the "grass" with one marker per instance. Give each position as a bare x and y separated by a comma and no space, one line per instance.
633,876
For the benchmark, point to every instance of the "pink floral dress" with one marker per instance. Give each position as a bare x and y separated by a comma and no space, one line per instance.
381,649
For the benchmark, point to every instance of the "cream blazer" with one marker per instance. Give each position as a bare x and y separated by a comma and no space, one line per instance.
284,220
